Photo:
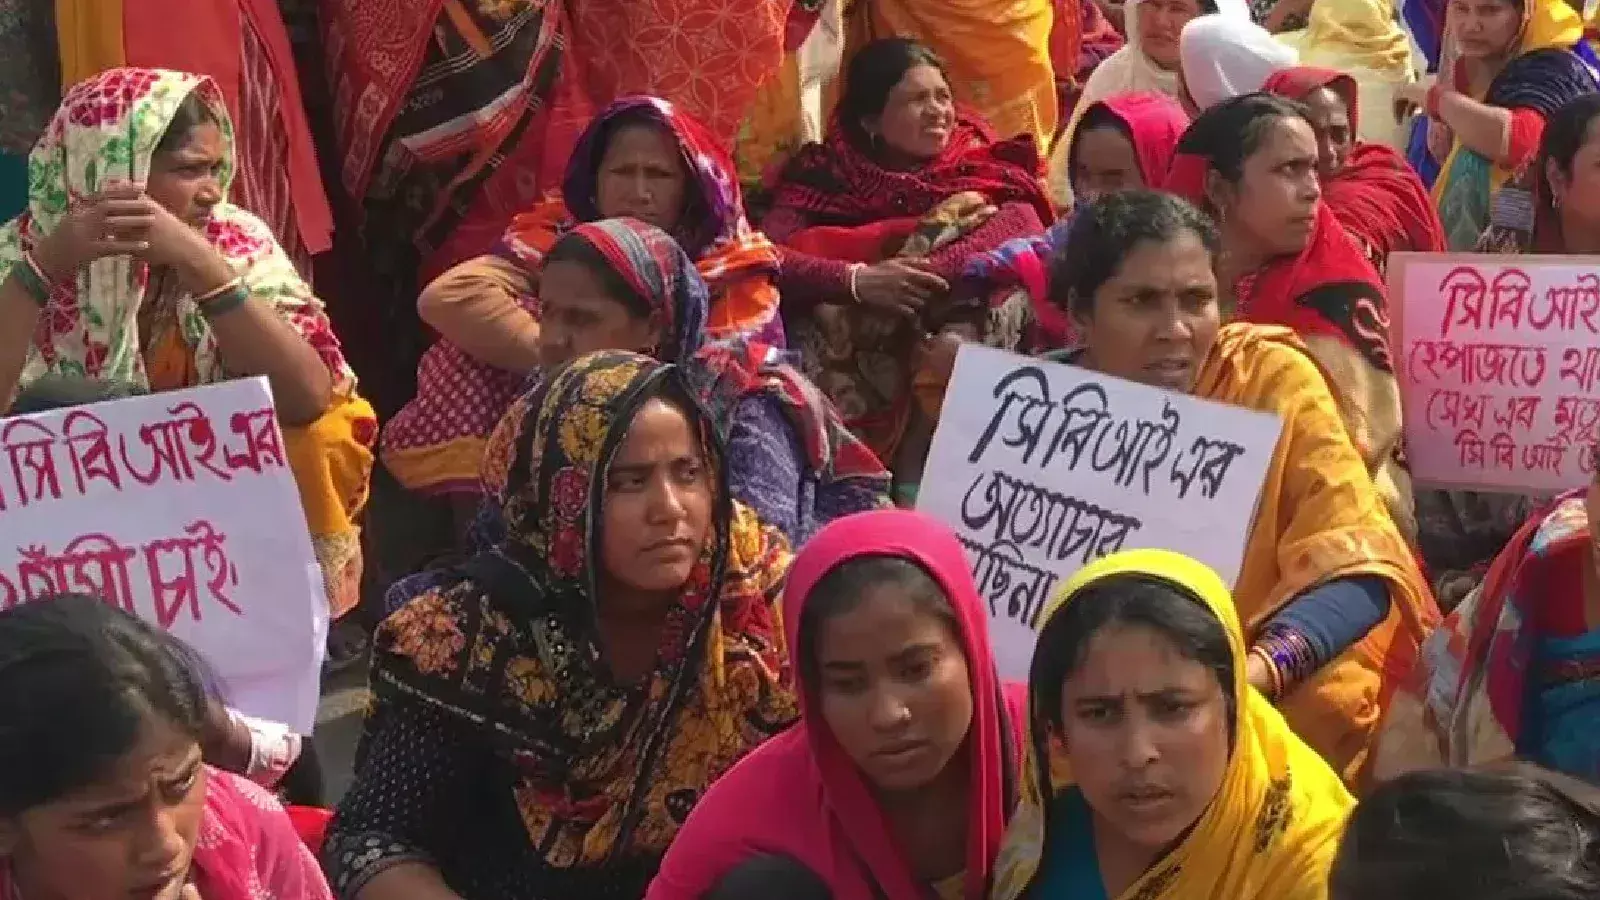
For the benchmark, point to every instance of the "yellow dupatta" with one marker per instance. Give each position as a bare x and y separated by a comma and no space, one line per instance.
1273,827
1319,517
1363,39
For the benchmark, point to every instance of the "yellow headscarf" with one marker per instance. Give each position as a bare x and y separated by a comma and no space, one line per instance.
1273,828
1549,23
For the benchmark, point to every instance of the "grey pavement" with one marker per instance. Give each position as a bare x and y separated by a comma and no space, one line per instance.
344,703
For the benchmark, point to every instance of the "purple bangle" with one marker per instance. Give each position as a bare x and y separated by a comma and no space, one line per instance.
1290,653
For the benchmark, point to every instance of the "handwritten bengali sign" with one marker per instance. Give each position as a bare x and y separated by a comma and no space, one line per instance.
1499,363
180,508
1041,468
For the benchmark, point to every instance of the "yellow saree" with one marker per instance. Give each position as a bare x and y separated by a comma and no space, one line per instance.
1273,827
1320,517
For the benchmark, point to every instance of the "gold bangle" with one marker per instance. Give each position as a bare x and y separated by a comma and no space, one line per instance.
218,291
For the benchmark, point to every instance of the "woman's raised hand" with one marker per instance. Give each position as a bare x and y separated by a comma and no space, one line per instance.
114,222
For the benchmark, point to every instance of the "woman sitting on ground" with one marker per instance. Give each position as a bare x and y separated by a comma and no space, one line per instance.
105,794
1124,142
1364,40
1508,674
547,717
1185,783
877,222
619,284
899,777
131,265
1329,596
1251,161
1370,188
641,158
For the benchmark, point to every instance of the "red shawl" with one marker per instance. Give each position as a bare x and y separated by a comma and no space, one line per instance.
837,183
1329,289
1377,196
801,796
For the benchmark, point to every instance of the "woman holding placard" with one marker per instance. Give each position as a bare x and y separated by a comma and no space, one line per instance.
131,265
1152,769
1251,162
1331,601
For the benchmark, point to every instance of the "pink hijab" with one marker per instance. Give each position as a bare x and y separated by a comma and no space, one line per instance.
1155,122
800,796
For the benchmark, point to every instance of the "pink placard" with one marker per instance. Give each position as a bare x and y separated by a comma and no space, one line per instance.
1499,360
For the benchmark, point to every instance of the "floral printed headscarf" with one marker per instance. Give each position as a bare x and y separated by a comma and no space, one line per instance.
105,131
509,644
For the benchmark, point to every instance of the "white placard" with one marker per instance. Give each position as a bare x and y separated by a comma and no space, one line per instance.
179,507
1042,467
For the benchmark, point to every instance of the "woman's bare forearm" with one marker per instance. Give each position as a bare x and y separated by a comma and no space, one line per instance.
1483,129
19,316
252,339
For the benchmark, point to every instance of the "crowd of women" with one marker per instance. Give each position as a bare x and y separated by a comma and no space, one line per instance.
677,635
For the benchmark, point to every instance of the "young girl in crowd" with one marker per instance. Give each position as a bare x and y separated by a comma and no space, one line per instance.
104,794
1185,783
898,778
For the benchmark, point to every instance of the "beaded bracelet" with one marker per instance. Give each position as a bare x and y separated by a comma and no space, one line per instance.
232,296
